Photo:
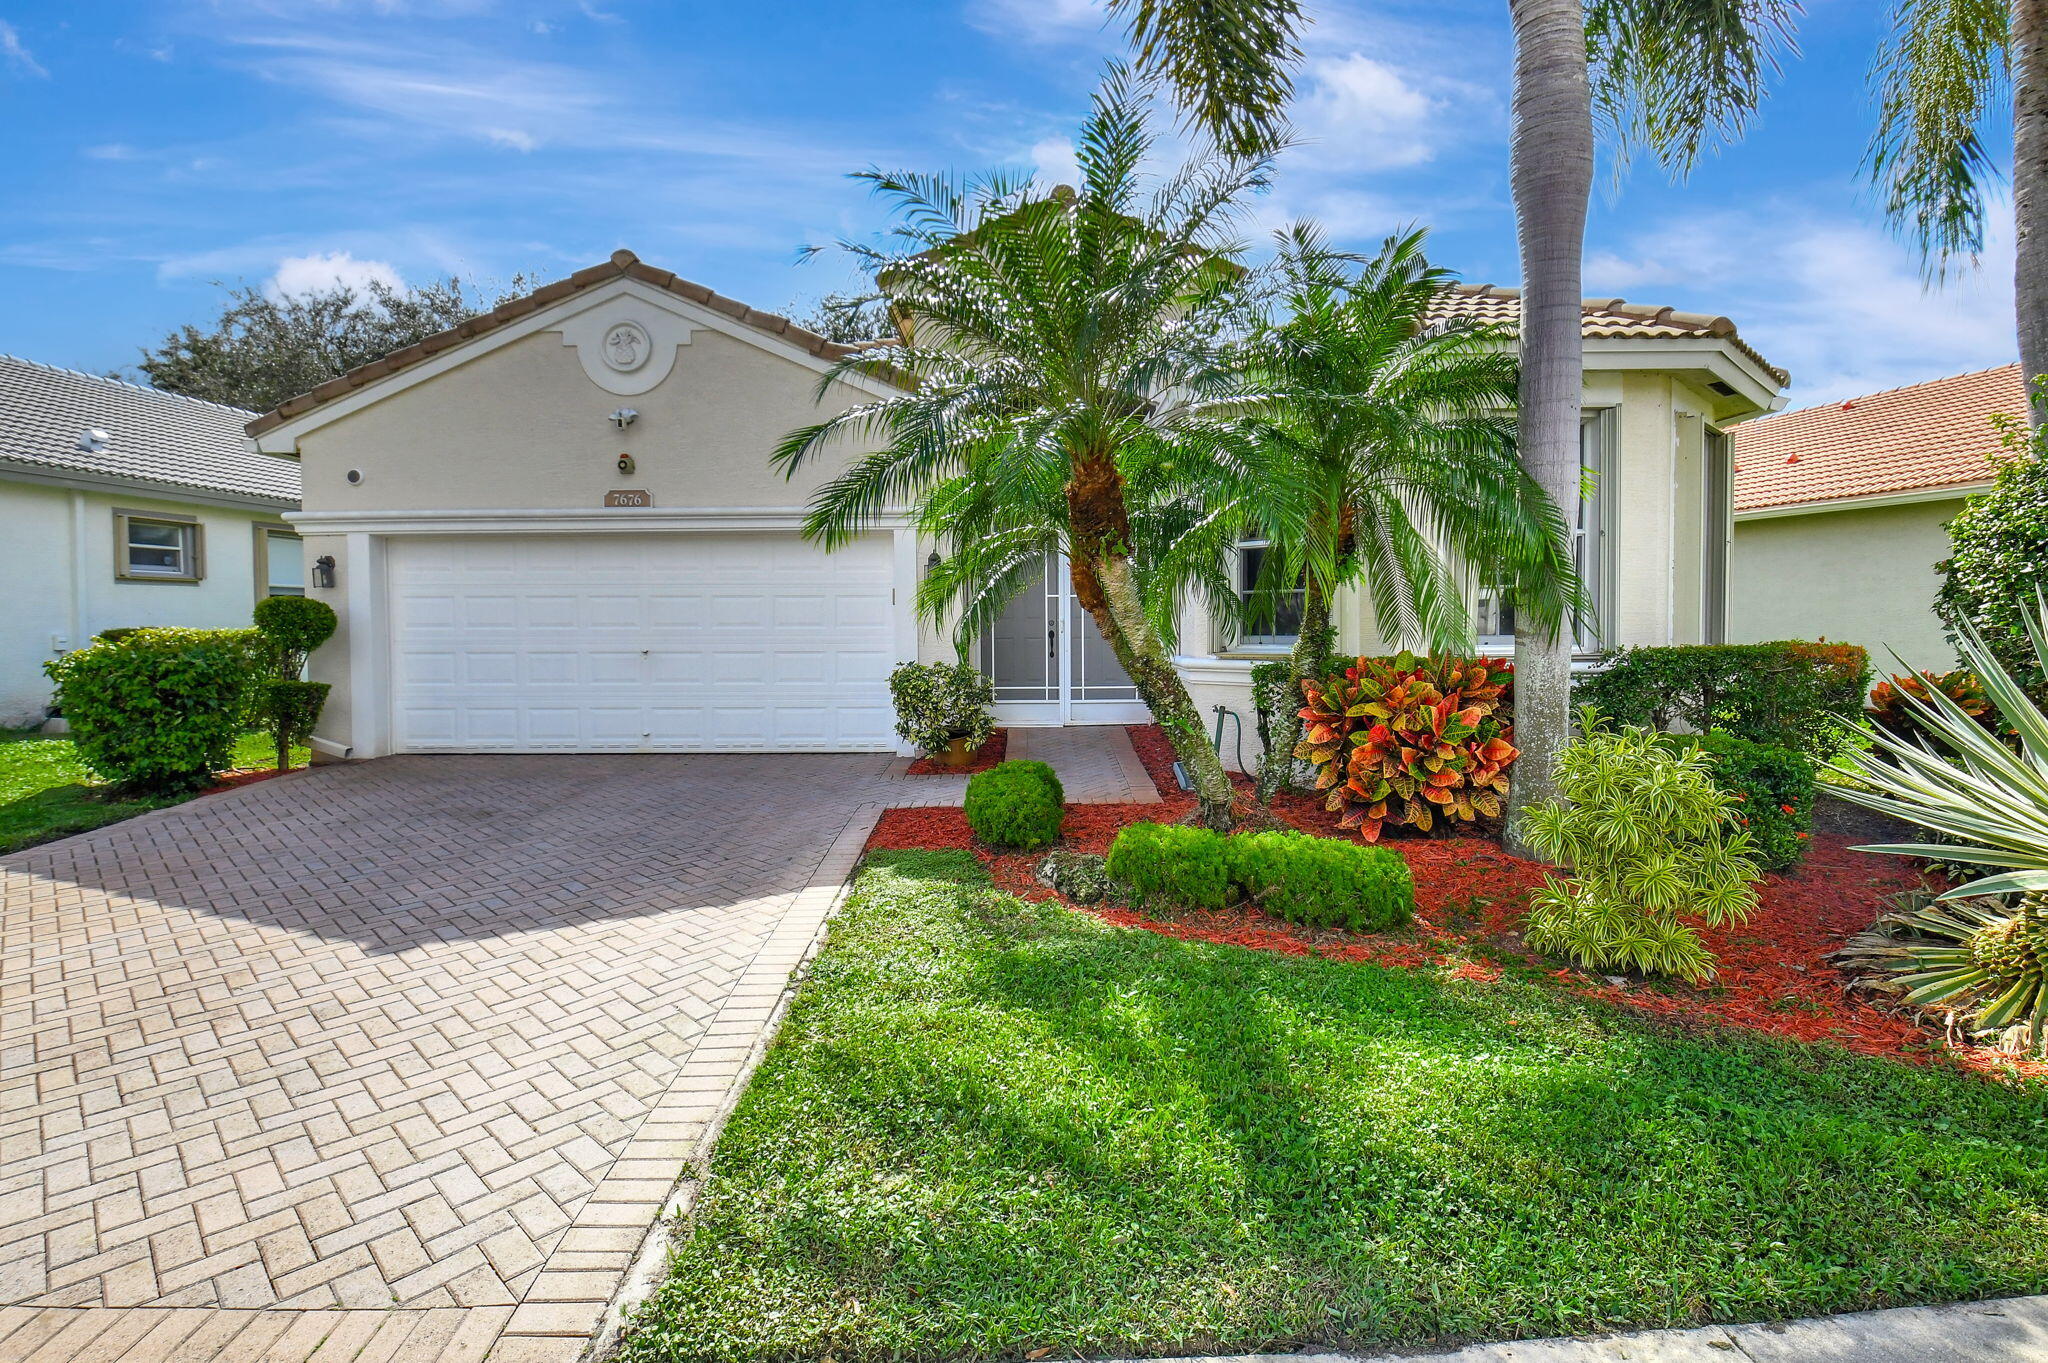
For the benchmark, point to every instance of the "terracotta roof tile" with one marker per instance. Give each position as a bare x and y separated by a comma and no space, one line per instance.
1605,319
1928,435
622,262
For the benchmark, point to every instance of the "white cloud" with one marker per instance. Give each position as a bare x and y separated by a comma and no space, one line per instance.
513,138
113,151
312,273
1836,301
16,56
1359,113
1052,159
1039,21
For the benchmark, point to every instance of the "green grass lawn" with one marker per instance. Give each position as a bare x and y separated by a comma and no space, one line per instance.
46,792
990,1128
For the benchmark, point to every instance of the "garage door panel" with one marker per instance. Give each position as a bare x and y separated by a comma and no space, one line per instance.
676,642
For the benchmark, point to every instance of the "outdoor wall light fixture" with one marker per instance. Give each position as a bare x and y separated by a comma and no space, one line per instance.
933,561
323,571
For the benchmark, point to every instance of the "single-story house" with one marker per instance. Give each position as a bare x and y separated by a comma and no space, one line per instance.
1842,511
555,528
127,506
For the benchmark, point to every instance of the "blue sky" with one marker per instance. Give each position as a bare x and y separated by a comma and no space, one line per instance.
156,148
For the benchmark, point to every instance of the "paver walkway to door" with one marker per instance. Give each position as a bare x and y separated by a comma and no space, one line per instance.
405,1054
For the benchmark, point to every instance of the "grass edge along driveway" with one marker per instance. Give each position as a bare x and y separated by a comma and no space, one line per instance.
990,1128
46,792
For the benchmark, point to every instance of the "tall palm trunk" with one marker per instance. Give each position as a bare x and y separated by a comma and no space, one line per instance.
1107,588
2029,61
1552,178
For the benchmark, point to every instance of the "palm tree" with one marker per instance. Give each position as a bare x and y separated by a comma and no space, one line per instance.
1058,355
1938,79
1391,444
1669,76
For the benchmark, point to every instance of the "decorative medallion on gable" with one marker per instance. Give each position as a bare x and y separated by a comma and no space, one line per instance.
625,345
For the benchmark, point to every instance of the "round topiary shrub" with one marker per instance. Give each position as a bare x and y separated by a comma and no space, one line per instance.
157,710
1016,805
289,628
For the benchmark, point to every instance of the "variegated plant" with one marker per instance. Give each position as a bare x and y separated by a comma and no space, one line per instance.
1992,799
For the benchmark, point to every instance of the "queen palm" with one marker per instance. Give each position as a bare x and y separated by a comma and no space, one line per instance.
1392,449
1059,353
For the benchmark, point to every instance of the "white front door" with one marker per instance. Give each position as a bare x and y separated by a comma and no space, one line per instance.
680,642
1050,664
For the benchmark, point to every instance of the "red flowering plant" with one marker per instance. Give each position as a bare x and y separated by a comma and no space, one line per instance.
1410,741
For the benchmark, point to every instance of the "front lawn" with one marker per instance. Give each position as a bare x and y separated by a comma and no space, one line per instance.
991,1128
46,792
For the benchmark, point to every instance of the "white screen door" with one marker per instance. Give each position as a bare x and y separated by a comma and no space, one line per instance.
1050,664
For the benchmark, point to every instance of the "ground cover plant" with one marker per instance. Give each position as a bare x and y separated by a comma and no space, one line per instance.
978,1103
47,791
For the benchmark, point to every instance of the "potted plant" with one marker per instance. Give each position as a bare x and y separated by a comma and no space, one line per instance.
945,709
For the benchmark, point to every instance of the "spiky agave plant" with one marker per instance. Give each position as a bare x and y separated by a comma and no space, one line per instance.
1968,950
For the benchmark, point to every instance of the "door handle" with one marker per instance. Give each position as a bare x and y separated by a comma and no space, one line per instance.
1052,640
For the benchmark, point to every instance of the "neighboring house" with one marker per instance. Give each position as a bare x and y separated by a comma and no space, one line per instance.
555,528
126,506
1842,511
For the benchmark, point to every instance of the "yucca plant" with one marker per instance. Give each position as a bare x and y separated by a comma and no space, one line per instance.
1962,781
1887,707
1979,959
1647,835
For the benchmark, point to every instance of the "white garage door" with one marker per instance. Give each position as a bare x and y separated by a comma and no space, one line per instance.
685,642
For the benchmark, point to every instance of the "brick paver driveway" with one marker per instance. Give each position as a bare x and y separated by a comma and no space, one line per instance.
389,1061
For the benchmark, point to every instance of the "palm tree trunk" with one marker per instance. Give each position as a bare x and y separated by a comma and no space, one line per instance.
1311,645
1552,178
2029,57
1106,587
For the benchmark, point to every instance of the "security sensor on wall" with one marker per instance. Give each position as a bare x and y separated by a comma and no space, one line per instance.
624,417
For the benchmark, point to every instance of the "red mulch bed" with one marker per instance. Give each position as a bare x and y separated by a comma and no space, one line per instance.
985,756
1774,973
232,780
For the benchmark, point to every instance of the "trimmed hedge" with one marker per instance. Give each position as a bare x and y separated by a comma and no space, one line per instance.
157,710
1776,788
1318,882
1173,862
1787,694
1016,804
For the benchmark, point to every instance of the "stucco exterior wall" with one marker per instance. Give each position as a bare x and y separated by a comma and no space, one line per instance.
522,426
1855,577
59,536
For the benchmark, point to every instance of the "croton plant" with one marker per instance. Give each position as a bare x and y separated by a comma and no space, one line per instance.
1410,741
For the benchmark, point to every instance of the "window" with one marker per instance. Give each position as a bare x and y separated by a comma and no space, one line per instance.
151,546
1273,613
280,568
1592,526
1718,511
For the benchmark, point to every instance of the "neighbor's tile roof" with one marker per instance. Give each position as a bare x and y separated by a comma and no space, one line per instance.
154,436
1605,319
622,262
1929,435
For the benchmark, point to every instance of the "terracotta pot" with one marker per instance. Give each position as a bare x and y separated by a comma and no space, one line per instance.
958,753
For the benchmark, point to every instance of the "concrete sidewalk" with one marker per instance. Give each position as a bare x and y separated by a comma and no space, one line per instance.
2012,1330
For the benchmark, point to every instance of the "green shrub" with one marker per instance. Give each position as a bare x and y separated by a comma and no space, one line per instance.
938,702
288,629
157,710
1016,804
1323,883
1998,544
1173,862
1790,694
1647,835
1318,882
1774,792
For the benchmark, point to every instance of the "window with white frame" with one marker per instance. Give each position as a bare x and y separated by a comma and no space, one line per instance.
1272,613
156,547
1591,531
1718,510
281,569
